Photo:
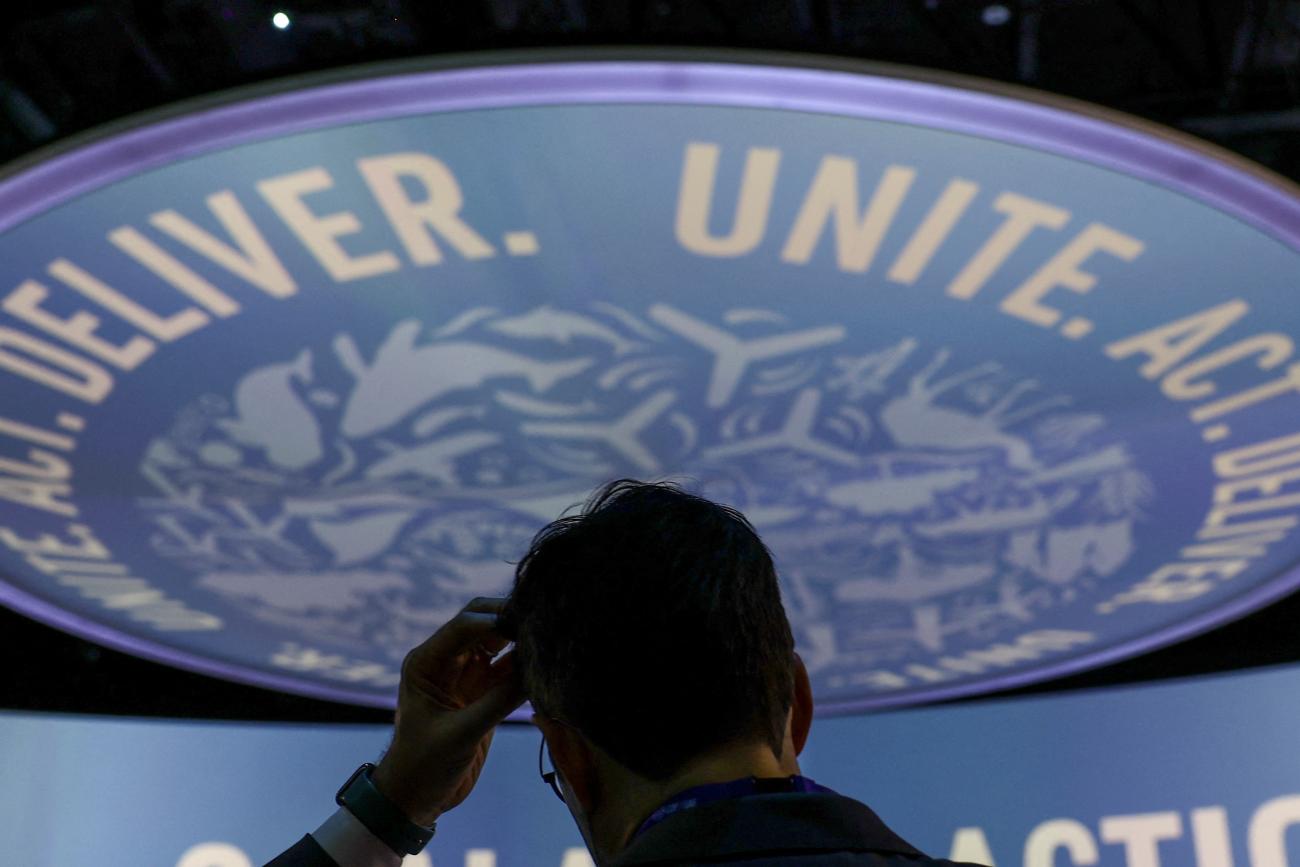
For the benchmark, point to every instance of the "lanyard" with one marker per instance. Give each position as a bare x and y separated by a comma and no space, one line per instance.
725,791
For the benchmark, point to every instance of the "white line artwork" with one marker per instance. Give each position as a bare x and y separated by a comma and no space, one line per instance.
915,497
731,355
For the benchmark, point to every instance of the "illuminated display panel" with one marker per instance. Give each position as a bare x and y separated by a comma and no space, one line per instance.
1008,386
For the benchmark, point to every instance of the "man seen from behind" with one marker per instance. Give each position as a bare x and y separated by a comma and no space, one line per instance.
651,641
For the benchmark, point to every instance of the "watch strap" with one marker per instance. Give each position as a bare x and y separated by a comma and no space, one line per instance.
381,816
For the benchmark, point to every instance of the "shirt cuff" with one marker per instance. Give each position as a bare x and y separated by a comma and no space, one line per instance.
351,844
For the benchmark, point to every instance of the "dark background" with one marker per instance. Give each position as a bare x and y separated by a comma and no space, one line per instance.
1227,71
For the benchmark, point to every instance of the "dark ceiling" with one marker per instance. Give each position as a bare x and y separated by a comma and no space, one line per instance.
1225,70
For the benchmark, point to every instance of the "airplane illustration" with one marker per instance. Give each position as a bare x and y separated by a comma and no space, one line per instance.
732,355
621,435
436,459
795,433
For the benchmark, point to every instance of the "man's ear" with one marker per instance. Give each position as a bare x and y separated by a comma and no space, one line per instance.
573,759
801,708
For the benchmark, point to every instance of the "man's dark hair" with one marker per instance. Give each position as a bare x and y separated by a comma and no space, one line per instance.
652,622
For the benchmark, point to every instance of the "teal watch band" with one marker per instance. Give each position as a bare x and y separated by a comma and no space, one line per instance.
380,815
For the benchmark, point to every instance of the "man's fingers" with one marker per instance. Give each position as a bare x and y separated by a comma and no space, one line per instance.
498,702
457,634
474,625
486,604
502,669
495,643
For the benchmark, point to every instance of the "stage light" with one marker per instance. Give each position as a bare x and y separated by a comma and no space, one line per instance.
996,15
280,20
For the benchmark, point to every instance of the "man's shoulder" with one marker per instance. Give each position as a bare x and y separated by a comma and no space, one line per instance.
821,859
814,828
829,859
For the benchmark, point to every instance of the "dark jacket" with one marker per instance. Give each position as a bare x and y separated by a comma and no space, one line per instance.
782,830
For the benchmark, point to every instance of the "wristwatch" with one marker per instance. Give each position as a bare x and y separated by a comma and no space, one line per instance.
381,816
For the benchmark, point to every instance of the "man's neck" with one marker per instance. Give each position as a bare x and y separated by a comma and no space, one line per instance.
631,799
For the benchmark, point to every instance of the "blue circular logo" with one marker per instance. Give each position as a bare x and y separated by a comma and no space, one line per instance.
1008,387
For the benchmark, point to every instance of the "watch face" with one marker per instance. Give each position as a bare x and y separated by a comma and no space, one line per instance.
1008,387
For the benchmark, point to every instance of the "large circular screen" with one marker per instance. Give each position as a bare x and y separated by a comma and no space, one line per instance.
1008,387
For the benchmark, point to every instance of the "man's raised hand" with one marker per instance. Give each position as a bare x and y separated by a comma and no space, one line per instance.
451,697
